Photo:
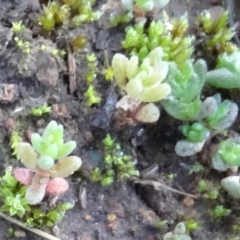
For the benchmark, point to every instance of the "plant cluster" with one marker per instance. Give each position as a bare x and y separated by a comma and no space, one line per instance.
219,212
12,194
91,94
38,217
73,12
216,33
116,164
14,203
207,191
39,111
46,163
170,35
214,117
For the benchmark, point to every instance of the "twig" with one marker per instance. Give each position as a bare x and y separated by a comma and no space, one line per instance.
34,230
71,70
158,186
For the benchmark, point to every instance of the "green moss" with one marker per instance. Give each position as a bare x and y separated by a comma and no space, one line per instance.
116,164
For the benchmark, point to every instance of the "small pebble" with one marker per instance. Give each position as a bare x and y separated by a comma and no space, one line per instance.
111,218
19,234
88,136
188,201
56,230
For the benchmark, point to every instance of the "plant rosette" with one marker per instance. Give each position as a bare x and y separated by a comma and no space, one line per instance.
47,163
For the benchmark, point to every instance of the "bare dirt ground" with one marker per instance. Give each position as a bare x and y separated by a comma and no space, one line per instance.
137,208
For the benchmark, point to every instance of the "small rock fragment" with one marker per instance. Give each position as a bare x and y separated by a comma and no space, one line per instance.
111,218
188,201
19,234
8,93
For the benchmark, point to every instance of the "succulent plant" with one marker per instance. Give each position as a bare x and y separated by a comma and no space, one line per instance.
186,84
215,117
226,74
169,34
51,142
227,155
179,233
46,163
56,13
144,82
216,34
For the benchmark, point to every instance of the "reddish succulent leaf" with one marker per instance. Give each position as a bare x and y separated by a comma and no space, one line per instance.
57,186
23,175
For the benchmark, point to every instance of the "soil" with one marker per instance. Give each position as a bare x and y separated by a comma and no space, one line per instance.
137,207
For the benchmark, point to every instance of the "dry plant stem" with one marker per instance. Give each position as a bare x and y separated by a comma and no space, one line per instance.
71,70
158,186
33,230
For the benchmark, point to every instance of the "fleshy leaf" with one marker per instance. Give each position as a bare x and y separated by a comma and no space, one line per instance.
27,155
134,88
132,67
232,185
180,229
218,163
51,127
58,133
149,113
66,167
23,175
185,148
45,162
156,92
57,185
37,142
208,107
51,151
36,191
119,66
66,149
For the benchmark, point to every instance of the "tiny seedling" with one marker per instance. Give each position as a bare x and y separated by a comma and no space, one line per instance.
192,225
117,164
15,139
217,33
161,224
39,111
92,96
92,68
17,27
220,212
